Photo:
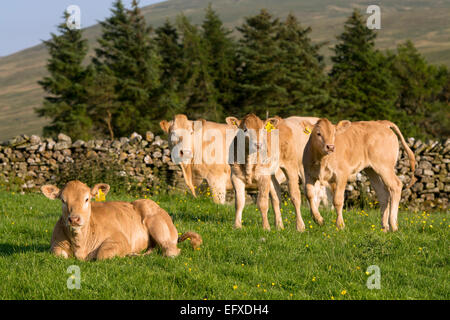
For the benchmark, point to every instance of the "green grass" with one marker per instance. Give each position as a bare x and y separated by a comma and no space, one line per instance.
321,263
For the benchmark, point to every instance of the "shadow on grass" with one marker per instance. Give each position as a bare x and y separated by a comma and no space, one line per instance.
8,249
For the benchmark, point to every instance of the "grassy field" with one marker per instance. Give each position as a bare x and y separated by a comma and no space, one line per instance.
321,263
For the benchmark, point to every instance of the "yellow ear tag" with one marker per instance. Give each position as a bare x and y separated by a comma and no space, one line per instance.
234,123
100,196
269,126
307,130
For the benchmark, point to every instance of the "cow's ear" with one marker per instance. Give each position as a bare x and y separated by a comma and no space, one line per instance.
233,121
343,125
275,121
100,186
198,125
307,126
50,191
165,125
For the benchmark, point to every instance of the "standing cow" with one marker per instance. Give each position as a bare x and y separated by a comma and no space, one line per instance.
334,153
267,176
201,145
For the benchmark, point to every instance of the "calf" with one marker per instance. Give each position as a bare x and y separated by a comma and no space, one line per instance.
267,177
101,230
195,165
335,153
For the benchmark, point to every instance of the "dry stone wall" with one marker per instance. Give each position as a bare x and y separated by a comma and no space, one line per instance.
144,162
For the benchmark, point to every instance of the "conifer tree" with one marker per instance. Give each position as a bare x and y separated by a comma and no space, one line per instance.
197,88
220,48
420,86
170,51
65,85
259,68
360,77
127,50
103,102
303,70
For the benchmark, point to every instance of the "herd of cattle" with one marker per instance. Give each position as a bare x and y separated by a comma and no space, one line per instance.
241,154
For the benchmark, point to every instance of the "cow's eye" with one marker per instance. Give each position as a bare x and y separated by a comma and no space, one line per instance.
318,134
87,199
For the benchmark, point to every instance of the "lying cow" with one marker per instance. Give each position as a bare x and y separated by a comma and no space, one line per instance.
292,141
195,167
335,153
101,230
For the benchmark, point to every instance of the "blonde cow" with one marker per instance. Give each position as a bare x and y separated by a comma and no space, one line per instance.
100,230
336,153
266,173
202,152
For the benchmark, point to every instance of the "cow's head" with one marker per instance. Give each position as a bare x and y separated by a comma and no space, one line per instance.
255,130
323,134
181,135
75,198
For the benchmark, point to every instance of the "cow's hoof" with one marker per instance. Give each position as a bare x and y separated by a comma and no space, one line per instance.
300,228
238,226
340,225
279,225
320,222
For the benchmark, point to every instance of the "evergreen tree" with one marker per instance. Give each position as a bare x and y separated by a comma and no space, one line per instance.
303,70
197,88
127,50
420,87
65,86
103,102
170,51
221,50
360,76
259,68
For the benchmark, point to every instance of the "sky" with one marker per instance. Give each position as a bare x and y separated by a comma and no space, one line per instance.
25,23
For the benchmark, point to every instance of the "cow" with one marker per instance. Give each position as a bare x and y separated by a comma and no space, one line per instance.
101,230
195,159
336,153
268,176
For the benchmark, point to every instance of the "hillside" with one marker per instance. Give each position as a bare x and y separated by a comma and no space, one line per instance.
426,23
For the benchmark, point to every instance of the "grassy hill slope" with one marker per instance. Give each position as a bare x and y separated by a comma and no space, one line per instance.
426,23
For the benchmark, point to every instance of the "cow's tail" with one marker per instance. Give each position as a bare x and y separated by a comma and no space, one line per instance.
196,239
412,159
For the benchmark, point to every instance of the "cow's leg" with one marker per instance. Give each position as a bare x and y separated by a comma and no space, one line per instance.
61,252
162,233
188,179
113,247
294,192
394,185
338,201
310,191
275,195
263,199
218,188
60,244
382,195
239,193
